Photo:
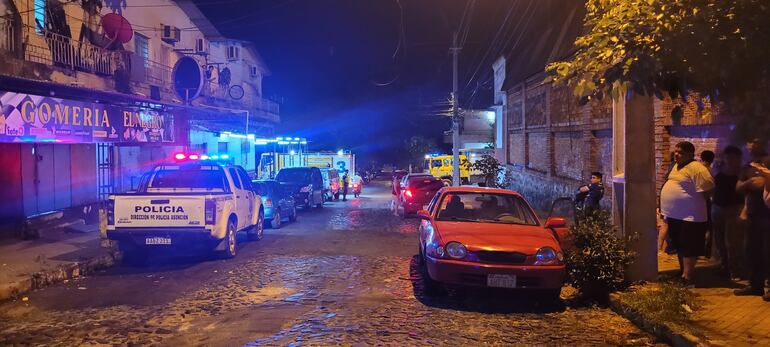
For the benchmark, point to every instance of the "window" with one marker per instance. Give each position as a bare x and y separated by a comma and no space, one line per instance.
233,52
234,176
485,208
435,163
254,71
189,177
142,46
245,179
40,16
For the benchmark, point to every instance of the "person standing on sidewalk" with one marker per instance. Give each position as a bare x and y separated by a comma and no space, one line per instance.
683,203
725,209
707,159
752,185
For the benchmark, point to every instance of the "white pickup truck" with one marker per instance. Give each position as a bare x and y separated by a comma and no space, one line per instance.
193,205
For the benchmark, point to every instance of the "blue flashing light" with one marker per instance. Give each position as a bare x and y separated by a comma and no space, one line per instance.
224,156
297,139
279,138
283,142
204,157
215,157
304,142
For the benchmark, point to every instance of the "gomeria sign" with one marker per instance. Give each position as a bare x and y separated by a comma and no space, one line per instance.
34,118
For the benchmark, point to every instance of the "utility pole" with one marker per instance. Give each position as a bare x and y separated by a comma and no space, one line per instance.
455,116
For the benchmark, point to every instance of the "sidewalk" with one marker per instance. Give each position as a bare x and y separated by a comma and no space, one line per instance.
59,254
722,319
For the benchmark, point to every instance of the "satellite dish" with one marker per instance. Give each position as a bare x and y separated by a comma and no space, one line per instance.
117,28
188,78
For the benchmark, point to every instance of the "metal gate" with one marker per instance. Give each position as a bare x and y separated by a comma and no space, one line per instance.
105,166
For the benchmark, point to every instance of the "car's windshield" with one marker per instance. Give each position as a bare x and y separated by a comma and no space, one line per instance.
486,208
197,177
293,175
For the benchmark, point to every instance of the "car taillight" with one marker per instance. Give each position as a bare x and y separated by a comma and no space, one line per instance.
211,212
110,212
268,203
408,193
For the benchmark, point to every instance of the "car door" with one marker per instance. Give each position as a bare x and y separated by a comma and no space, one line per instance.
241,199
563,208
250,194
317,186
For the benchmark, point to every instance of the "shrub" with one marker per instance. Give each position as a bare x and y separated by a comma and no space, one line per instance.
597,264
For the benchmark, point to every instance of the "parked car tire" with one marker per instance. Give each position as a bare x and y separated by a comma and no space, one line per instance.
430,287
293,217
275,223
231,242
257,231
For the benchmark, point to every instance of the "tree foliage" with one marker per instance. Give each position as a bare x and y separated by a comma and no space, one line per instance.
495,175
657,47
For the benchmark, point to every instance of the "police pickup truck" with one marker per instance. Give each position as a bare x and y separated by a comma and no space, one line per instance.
190,204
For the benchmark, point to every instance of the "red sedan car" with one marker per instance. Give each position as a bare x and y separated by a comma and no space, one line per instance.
416,192
490,237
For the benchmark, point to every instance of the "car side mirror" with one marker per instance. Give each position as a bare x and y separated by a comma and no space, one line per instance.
423,214
555,222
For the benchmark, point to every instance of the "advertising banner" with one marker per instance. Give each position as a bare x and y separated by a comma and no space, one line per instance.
35,118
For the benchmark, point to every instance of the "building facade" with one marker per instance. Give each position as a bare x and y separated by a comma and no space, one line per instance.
89,104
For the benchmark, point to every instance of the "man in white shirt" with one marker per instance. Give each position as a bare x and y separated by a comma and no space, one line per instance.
683,203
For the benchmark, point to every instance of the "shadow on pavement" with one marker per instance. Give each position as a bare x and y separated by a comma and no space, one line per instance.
479,299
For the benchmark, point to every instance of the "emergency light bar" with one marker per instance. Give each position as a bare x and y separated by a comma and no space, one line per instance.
193,156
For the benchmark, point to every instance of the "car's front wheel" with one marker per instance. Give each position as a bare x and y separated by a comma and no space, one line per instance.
430,287
256,232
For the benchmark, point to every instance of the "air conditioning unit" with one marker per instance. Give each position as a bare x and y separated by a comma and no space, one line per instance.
254,71
171,34
201,46
233,52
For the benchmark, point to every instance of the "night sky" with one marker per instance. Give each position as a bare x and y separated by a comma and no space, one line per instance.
367,74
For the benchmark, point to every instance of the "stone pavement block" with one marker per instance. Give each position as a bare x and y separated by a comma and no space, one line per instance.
57,255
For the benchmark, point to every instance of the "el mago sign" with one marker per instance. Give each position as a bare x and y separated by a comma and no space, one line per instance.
34,118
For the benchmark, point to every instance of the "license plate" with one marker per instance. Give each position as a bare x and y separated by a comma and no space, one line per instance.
157,241
501,281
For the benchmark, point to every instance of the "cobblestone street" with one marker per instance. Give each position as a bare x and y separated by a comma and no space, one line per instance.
344,274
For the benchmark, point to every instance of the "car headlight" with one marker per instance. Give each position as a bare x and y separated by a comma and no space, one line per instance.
548,256
306,189
456,250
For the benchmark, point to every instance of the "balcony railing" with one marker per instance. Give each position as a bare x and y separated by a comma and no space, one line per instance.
75,55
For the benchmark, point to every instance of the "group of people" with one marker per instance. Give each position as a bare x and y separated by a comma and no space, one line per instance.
724,203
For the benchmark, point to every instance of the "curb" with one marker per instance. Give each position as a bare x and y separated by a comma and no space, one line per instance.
661,331
42,279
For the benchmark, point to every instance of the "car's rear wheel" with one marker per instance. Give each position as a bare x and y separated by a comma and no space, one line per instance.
231,244
275,223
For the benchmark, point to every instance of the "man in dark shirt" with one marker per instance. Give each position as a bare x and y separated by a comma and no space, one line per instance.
589,196
725,209
751,184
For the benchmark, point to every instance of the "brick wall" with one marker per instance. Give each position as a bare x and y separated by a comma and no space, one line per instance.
569,152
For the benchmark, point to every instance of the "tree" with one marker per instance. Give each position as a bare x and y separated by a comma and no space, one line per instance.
655,47
417,147
495,175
